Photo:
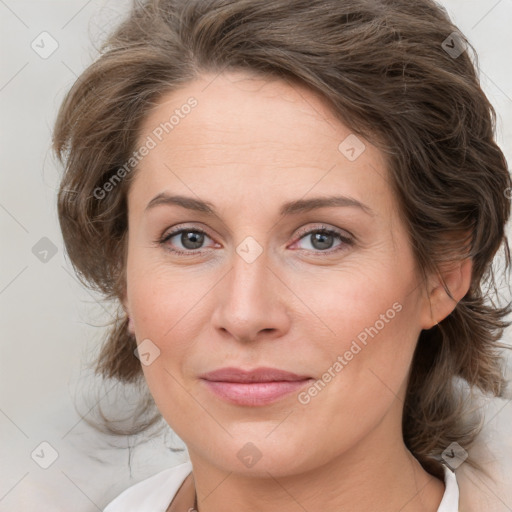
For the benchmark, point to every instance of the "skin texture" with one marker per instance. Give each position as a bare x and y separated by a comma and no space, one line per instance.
250,145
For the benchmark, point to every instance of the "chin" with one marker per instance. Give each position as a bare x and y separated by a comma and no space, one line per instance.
282,456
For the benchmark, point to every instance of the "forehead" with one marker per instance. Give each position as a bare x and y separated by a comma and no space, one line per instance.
247,108
239,129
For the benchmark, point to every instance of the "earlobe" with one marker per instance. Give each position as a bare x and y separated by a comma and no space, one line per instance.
457,279
131,329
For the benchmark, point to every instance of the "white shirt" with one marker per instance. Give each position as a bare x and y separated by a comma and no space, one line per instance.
156,492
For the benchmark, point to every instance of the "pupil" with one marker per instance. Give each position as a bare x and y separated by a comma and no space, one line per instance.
192,239
319,238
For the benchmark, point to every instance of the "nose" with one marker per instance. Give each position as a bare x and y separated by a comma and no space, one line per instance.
252,301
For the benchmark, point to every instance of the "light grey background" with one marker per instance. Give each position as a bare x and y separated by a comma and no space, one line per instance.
50,325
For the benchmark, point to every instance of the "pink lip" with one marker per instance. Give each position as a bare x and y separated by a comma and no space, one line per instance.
260,386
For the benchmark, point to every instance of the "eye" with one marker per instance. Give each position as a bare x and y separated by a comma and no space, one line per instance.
322,239
189,240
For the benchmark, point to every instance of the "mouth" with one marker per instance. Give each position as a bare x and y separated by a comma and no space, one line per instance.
258,387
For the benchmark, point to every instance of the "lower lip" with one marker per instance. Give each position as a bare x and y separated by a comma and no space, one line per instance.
254,393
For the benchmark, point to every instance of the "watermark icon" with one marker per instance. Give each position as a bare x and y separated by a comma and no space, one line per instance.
249,454
454,455
150,143
44,455
304,397
44,250
147,352
454,45
45,45
249,249
351,147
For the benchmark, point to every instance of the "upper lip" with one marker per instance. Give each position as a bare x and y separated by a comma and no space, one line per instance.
262,374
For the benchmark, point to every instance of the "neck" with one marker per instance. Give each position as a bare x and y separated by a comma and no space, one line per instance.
388,483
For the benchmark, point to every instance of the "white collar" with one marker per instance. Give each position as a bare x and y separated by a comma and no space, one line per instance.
450,501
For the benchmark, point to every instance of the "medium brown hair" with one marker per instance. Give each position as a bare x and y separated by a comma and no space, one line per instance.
386,70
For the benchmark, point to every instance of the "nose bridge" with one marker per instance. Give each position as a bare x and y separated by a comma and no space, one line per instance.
249,287
250,301
250,269
248,279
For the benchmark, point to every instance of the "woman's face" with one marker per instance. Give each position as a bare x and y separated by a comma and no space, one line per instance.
257,284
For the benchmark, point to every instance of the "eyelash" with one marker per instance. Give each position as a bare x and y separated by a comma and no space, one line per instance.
346,241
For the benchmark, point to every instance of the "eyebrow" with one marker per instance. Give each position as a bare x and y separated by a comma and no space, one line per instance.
290,208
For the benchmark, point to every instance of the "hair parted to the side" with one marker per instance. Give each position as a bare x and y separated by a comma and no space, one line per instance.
382,68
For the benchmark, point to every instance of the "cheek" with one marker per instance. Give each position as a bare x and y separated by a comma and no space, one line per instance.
163,314
373,328
363,374
171,309
366,305
163,301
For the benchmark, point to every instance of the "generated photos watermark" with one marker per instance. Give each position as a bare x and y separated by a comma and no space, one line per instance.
304,397
150,143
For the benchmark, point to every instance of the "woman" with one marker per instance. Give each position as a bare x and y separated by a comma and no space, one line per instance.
297,205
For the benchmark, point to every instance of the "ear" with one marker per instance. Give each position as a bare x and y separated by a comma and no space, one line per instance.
131,327
457,277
